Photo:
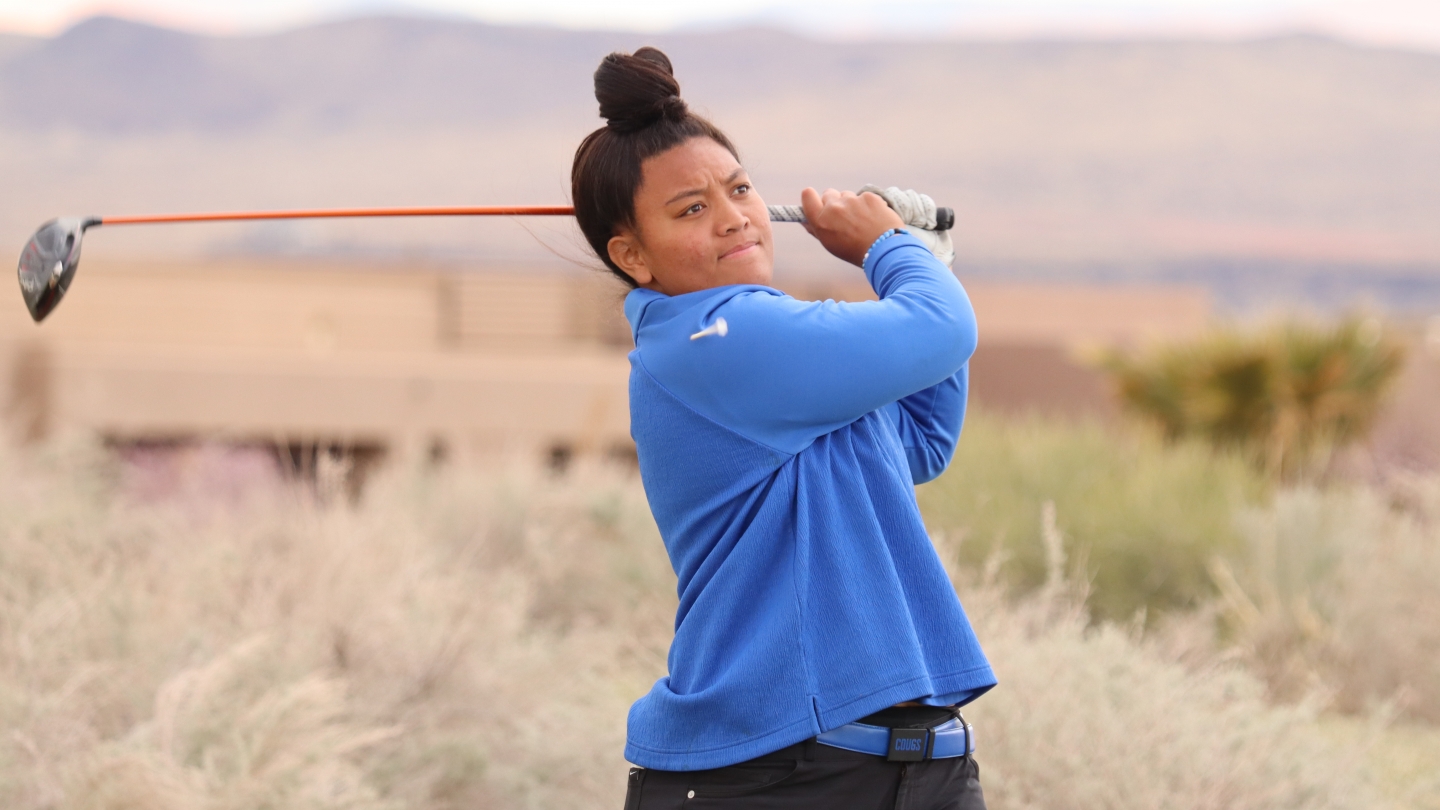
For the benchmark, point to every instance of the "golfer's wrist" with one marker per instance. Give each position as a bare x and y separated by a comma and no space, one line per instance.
865,259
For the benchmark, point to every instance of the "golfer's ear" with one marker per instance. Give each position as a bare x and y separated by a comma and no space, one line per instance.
625,253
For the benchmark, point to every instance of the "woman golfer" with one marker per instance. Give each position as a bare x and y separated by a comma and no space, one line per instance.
821,654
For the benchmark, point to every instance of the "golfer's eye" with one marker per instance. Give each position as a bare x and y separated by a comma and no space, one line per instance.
743,188
694,209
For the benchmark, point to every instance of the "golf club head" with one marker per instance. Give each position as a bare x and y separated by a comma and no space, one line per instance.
48,263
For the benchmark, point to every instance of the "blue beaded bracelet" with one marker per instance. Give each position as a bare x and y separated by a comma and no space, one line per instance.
882,237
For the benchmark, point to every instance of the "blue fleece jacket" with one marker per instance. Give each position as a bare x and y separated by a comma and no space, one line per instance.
780,463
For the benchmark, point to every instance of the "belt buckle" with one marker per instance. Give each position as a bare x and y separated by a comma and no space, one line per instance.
910,744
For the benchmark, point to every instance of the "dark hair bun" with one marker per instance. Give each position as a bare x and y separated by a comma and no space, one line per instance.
637,90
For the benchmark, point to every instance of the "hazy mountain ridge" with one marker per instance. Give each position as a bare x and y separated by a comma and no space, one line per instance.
410,72
1133,154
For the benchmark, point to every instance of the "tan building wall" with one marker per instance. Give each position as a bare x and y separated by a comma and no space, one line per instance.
297,352
420,358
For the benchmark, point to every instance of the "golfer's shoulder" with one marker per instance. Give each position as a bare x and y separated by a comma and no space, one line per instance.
745,299
758,320
662,319
719,336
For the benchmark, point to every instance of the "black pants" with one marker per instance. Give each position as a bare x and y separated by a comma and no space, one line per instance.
811,775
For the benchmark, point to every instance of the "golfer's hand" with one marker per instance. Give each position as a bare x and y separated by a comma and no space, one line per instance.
845,223
918,212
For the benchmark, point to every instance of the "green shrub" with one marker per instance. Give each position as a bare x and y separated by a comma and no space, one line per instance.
1145,517
1287,397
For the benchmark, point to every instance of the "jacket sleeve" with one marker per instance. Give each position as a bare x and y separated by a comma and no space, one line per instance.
790,371
929,424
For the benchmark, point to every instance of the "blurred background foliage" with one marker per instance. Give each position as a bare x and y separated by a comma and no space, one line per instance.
1142,516
1148,513
1287,397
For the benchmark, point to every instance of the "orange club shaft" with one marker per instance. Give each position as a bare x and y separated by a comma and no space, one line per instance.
339,213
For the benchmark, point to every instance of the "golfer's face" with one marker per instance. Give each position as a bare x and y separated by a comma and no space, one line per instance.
700,223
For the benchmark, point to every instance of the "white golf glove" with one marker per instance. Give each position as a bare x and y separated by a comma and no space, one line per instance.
918,212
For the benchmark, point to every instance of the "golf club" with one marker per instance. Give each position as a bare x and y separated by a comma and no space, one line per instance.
50,258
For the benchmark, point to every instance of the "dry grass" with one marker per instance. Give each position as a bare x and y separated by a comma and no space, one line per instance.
1404,758
457,642
473,640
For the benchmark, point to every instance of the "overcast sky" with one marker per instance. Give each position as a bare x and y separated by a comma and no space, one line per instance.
1400,22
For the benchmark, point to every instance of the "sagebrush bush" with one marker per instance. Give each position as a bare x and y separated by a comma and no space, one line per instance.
457,641
473,640
1338,588
1145,517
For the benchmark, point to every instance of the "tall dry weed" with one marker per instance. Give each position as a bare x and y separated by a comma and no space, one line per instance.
1089,716
473,640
